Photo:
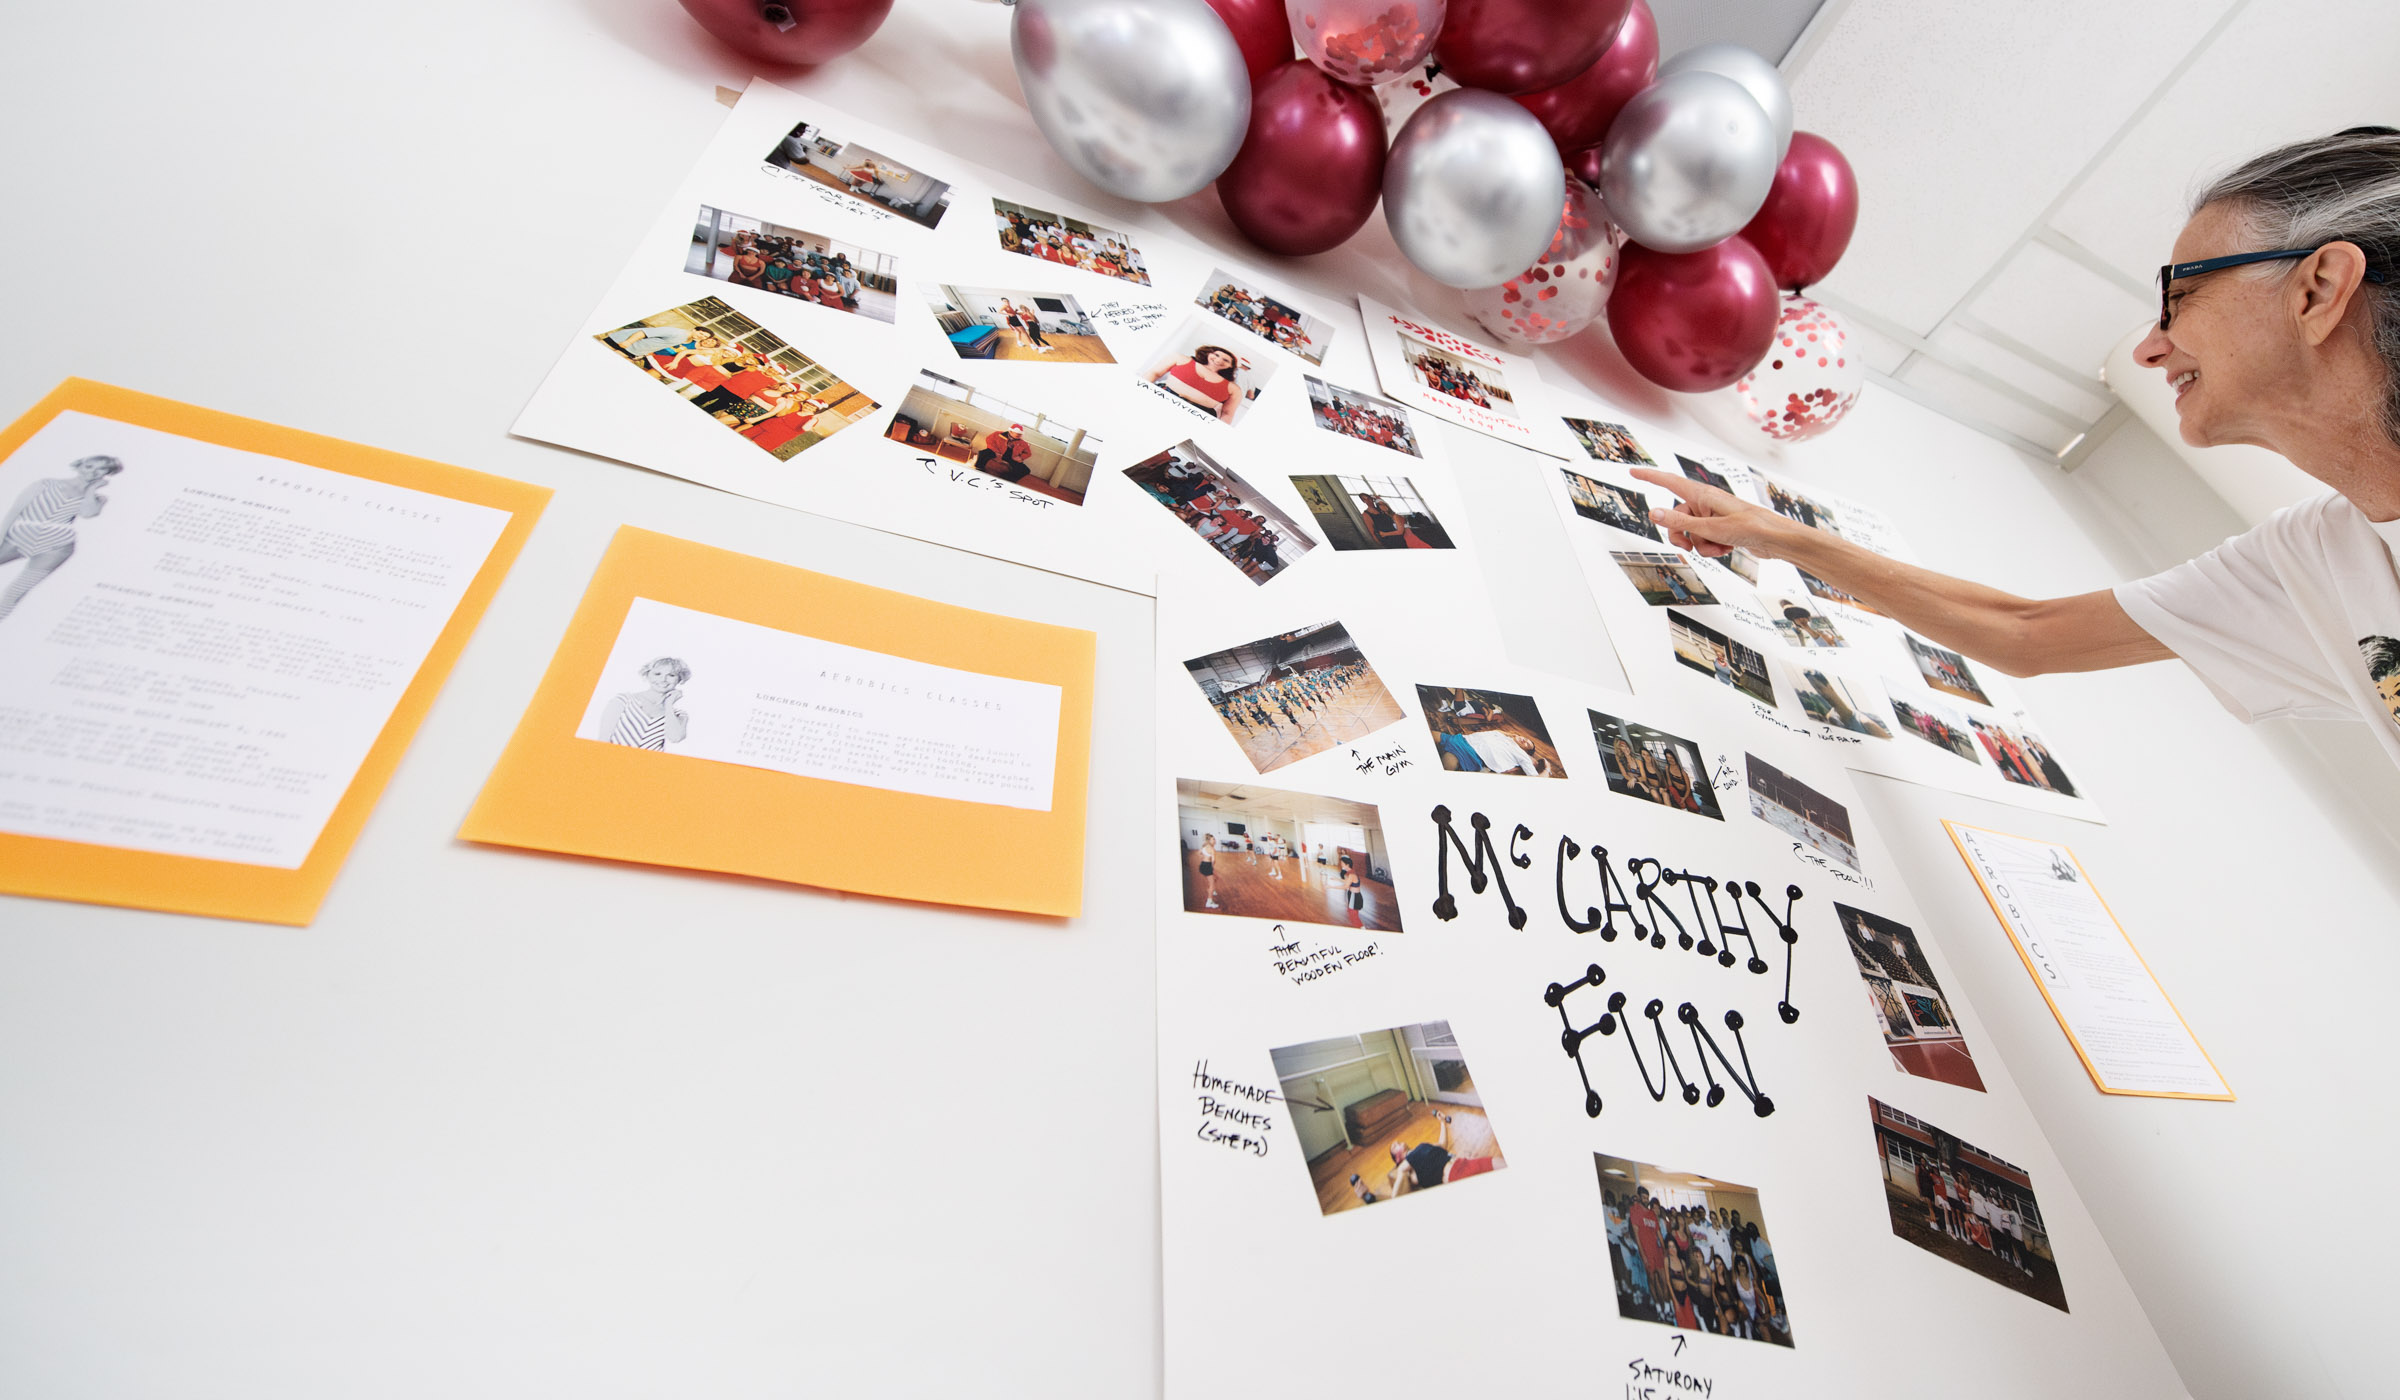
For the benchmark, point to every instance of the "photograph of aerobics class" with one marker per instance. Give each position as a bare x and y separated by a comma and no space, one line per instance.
1702,474
1691,1252
1359,415
1712,653
2022,757
747,252
1294,857
867,176
1489,731
1934,722
1230,515
1829,699
961,423
1915,1018
1052,238
1620,506
1196,369
744,376
1812,513
1801,625
1945,670
988,324
1385,1113
1294,695
1655,766
1609,442
1445,373
1954,1199
1263,316
1371,512
1801,812
1663,578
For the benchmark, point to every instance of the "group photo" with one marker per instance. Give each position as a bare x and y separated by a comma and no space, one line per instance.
1445,373
1691,1252
984,323
1052,238
957,422
1654,766
1371,512
1663,578
869,177
1915,1018
1281,325
1794,506
1609,442
2022,758
1384,1114
1195,370
1293,857
1945,670
1621,507
1363,416
1294,695
1489,731
1953,1199
1937,724
1230,515
744,376
749,252
1712,653
1800,811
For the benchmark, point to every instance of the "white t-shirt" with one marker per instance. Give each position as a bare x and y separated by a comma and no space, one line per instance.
2282,620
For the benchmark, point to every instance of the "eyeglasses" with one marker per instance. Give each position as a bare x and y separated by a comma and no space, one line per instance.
2171,272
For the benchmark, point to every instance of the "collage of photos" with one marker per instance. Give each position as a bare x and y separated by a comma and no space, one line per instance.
1945,670
1445,373
1918,1028
958,422
1712,653
1294,695
1955,1200
1654,766
1040,234
1934,722
1801,812
1801,625
1282,326
985,323
1371,512
2021,758
1384,1113
741,374
1691,1252
1193,369
1360,415
1662,579
1829,699
1618,506
1293,857
745,252
1609,442
867,176
1230,515
1489,731
1794,506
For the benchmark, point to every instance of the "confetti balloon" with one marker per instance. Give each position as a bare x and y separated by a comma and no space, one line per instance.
1366,41
1562,293
1402,97
1811,376
790,31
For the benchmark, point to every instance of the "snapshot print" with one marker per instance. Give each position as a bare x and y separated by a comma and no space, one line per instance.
744,376
1655,766
1294,695
1445,373
1740,563
1792,505
2382,656
1801,625
1609,442
1204,375
749,252
1385,1113
1620,506
1053,238
650,716
1829,699
1281,325
958,422
1702,474
1230,515
2021,756
869,177
1371,512
1293,857
1662,579
1712,653
1934,722
1831,594
985,323
1955,1200
1360,415
1915,1018
42,522
1691,1252
1801,812
1489,731
1945,670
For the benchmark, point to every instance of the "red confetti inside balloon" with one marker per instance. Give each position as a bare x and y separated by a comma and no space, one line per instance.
1810,378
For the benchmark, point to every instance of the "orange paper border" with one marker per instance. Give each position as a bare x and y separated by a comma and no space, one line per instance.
47,868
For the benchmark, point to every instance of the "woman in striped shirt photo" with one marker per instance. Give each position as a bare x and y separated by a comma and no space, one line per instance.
40,527
648,719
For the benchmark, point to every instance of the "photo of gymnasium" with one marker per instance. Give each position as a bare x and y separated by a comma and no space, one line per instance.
864,175
1654,766
1385,1113
1489,731
1445,373
1712,653
1801,812
986,324
1360,415
1909,1007
2021,758
1620,506
1294,857
1663,578
1263,316
1937,724
1050,238
804,266
1703,475
1691,1252
1956,1200
1371,512
1230,515
1945,670
958,422
1609,442
1828,699
741,374
1295,695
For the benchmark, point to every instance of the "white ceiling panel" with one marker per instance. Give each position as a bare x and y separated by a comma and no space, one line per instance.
1964,398
1761,26
2060,307
2083,402
1880,351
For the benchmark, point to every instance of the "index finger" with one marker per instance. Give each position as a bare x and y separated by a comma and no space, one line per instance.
1697,492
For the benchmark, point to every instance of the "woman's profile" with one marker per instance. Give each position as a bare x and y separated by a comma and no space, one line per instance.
40,527
1205,379
648,719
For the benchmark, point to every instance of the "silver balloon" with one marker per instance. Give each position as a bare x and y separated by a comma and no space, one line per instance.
1148,99
1687,163
1761,79
1473,188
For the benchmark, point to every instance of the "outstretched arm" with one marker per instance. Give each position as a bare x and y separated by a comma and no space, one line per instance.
2021,636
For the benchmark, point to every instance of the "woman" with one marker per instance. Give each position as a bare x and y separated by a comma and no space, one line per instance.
648,719
1208,868
1205,379
1008,448
749,268
1028,328
789,420
729,402
1386,529
1745,1296
696,365
779,276
40,527
1354,892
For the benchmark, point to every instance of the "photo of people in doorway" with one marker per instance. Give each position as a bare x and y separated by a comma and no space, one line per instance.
1654,766
1230,515
1275,322
985,323
957,422
1294,695
1064,242
1934,722
1909,1008
2021,756
869,177
1489,731
742,375
1619,506
1662,578
1384,1114
1355,414
1445,373
1945,670
1609,442
1371,512
1195,369
1801,812
1953,1199
1691,1252
1293,857
750,252
1712,653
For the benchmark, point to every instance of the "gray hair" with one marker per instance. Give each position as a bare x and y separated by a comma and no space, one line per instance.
2343,188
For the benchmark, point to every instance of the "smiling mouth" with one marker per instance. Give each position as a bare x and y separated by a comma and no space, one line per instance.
2182,383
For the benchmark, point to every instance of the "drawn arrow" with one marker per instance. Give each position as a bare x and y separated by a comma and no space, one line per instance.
1319,1107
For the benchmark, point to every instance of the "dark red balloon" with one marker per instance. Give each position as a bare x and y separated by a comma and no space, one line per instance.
1311,169
1584,165
1579,110
1693,322
1511,46
1261,30
790,31
1810,212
